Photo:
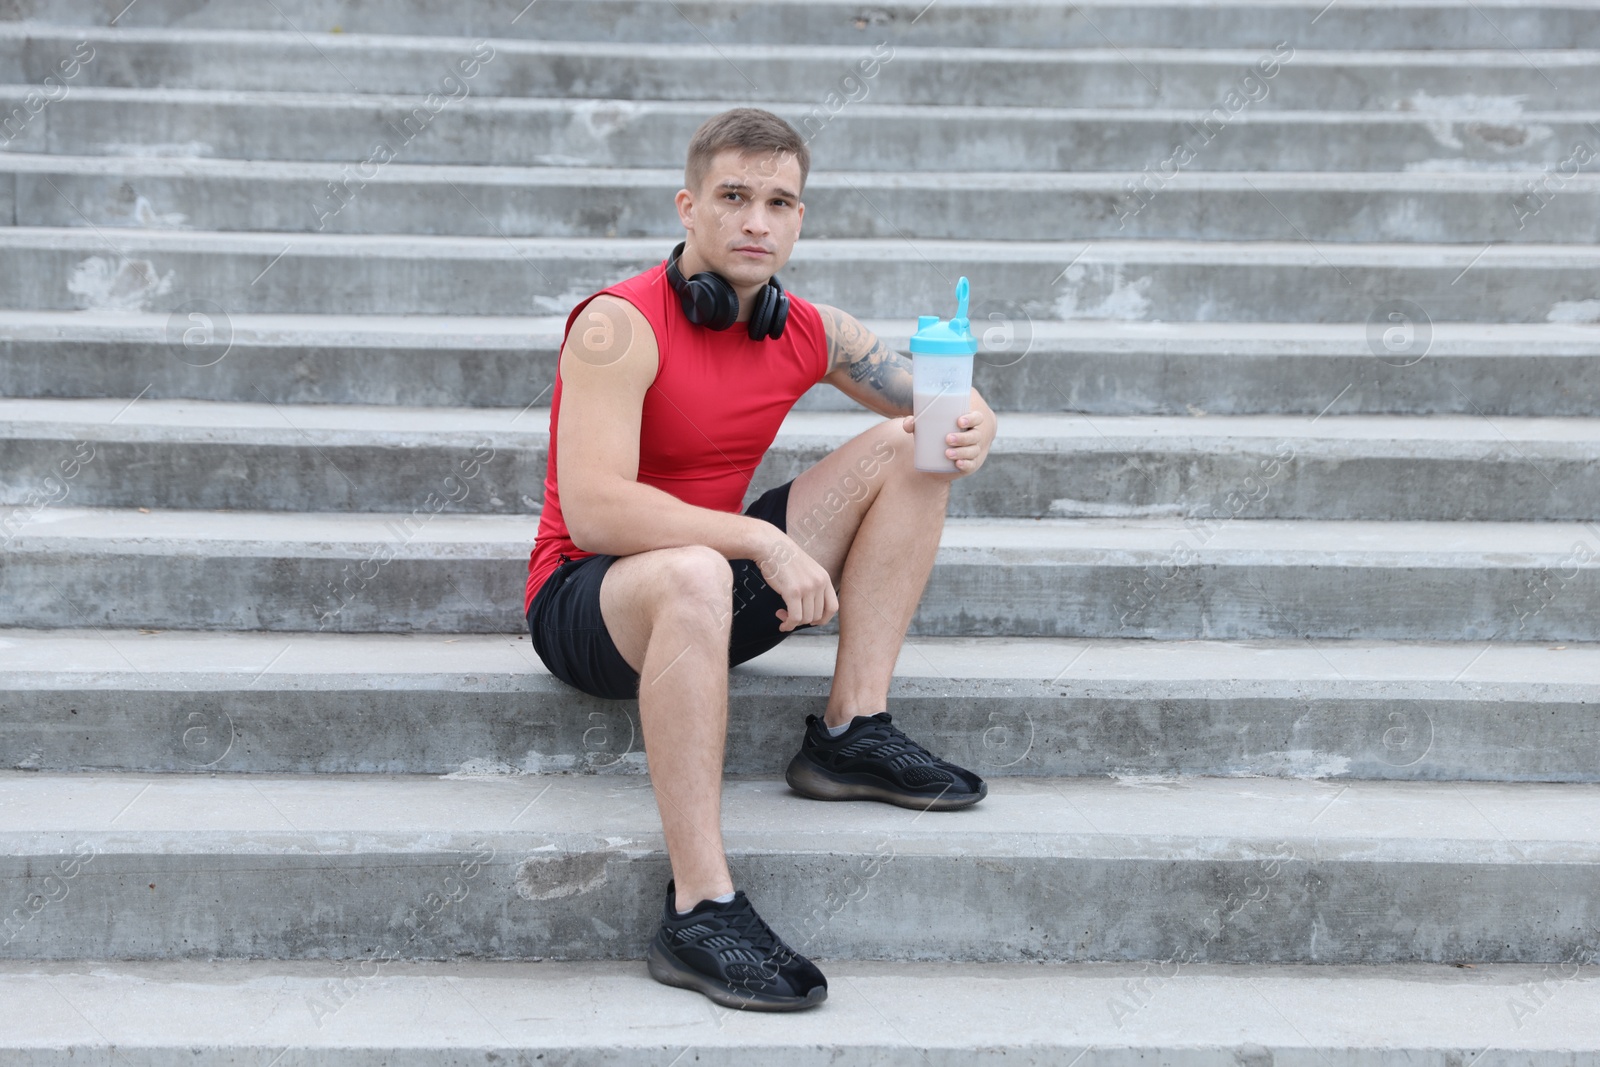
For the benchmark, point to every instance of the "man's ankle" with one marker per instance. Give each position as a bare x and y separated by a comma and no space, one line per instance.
681,909
835,729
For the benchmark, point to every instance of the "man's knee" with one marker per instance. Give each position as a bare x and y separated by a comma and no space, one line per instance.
682,592
692,580
893,454
695,568
897,456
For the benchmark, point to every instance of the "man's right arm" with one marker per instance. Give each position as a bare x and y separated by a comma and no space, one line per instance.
608,363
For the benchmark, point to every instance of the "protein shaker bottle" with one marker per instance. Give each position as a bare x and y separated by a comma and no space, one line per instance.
941,382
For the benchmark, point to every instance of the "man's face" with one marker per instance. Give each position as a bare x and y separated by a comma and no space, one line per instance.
745,218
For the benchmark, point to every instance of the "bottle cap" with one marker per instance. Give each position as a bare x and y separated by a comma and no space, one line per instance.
935,337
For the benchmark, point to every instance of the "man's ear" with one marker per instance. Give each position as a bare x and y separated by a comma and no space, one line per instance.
685,202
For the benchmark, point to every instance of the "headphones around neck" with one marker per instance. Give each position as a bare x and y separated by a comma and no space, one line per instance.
708,300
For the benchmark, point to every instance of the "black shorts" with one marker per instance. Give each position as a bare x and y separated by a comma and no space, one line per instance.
570,635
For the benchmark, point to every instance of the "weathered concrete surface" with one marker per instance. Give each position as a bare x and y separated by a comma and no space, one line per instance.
1397,468
1266,870
1109,368
1270,869
282,60
589,1013
1001,206
194,454
1227,579
243,124
1415,24
329,703
1257,281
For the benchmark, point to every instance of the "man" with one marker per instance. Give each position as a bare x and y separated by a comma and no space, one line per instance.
646,580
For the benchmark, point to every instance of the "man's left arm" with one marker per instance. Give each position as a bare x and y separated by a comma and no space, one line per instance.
874,375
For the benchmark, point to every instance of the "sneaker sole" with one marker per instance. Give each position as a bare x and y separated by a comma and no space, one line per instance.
669,970
810,780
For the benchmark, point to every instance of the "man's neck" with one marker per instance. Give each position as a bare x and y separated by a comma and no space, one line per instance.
690,264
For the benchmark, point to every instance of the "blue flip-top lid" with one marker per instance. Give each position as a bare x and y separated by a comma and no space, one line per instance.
935,337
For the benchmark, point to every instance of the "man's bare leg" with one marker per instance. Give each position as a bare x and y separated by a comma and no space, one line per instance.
879,548
873,522
668,611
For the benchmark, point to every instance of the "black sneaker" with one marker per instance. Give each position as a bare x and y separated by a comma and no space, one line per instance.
728,953
873,760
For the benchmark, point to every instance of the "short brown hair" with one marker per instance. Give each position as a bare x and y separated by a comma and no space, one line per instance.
748,129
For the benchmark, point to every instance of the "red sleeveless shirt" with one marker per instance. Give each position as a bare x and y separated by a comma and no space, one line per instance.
708,418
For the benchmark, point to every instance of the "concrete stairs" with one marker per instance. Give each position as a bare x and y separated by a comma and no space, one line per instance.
288,703
325,866
418,1014
1094,367
588,202
1271,619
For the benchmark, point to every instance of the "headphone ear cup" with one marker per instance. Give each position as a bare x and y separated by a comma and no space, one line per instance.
780,313
760,313
707,300
715,304
699,302
770,312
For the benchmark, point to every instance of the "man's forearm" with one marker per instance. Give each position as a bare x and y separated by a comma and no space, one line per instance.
632,517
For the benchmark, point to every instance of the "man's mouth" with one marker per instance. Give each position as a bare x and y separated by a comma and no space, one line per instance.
753,250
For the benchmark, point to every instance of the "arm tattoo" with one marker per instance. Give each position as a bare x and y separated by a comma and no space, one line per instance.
869,361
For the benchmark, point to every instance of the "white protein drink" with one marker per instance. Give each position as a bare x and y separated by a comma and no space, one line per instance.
936,415
941,383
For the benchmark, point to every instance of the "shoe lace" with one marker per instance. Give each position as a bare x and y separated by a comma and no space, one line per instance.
890,744
753,929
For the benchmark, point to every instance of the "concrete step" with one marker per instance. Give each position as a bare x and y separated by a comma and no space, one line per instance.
1105,368
1251,281
1385,80
1050,23
365,129
572,867
235,195
1020,1015
273,457
442,573
79,700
